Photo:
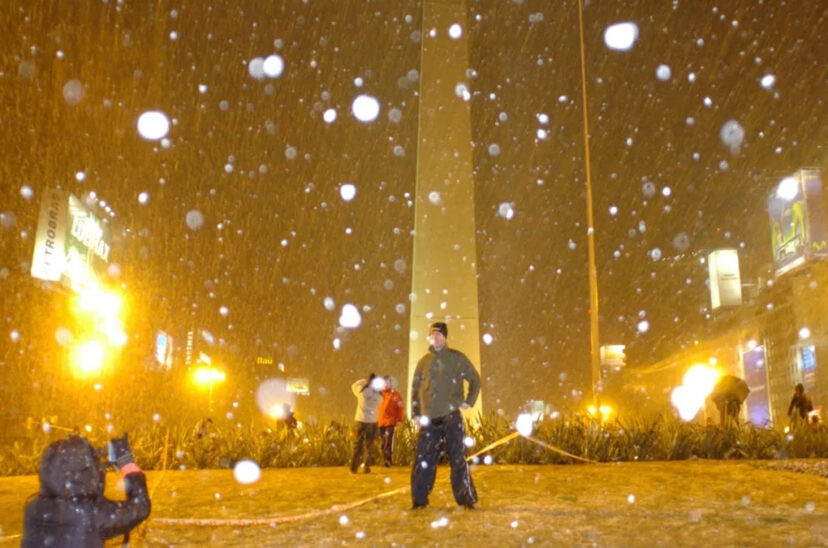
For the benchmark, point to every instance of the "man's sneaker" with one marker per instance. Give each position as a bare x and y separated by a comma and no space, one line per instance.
419,505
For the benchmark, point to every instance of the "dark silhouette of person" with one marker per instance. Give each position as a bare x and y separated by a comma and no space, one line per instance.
70,510
801,404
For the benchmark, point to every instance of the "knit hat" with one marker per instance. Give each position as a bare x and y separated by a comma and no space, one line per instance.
439,326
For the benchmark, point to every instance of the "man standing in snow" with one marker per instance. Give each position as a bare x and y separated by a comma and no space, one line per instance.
390,413
436,401
367,392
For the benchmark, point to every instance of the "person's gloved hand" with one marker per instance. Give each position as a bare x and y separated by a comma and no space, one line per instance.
119,452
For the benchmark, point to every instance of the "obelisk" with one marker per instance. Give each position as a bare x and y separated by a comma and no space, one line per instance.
444,266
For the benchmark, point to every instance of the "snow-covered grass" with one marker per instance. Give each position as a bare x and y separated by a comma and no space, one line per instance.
687,503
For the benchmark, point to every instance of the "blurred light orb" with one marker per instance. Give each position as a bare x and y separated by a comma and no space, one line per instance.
494,149
621,36
143,198
649,189
424,421
246,472
73,92
63,336
655,254
378,384
153,125
8,220
487,339
506,210
631,498
434,197
328,303
256,68
613,210
732,134
329,116
194,219
543,119
349,317
524,424
804,333
272,396
487,460
223,310
14,335
273,66
26,192
395,115
768,81
663,72
455,31
347,191
462,91
468,441
788,188
643,326
343,520
365,108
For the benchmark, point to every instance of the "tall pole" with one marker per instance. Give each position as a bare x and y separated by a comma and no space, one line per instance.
593,272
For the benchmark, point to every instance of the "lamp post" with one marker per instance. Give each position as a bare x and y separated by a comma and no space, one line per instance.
209,376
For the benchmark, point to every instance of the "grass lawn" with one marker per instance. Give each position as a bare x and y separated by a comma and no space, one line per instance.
688,503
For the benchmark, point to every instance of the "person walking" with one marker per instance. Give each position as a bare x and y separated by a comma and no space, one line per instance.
729,394
390,414
436,400
800,405
367,392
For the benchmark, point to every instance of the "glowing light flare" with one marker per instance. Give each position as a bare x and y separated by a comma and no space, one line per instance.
246,472
378,384
87,358
208,375
153,125
365,108
524,424
788,188
698,382
621,36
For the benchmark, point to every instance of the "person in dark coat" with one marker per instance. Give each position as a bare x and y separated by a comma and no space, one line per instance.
437,396
70,510
729,394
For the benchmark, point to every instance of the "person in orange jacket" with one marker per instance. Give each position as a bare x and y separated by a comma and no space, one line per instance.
390,413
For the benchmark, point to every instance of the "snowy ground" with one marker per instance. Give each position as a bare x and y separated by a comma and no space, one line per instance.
690,503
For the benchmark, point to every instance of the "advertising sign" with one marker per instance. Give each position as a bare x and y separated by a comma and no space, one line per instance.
797,219
756,378
298,386
725,279
164,350
71,243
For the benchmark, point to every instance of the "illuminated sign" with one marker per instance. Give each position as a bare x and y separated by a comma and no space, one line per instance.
725,278
298,386
261,360
164,350
71,242
797,219
613,355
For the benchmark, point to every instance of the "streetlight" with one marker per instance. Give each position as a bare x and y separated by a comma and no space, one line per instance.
209,376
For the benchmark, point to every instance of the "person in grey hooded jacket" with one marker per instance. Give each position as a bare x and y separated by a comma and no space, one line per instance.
368,394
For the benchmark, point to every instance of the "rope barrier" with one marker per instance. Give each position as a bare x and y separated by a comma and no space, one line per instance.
560,451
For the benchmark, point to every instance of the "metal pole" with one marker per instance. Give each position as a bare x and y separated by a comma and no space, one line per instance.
593,273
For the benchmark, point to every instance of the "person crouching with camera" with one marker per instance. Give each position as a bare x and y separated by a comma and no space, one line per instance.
70,509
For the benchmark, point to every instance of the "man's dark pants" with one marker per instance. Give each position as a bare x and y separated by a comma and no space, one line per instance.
387,436
365,433
449,430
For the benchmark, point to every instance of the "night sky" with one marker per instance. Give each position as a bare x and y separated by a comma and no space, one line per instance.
256,158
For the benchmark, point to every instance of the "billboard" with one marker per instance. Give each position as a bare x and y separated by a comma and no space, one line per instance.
71,244
797,220
725,279
164,350
298,386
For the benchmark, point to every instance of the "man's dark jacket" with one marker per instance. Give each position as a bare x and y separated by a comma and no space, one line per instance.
70,509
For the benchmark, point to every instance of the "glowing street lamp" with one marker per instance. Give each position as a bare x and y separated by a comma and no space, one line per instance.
88,358
209,376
